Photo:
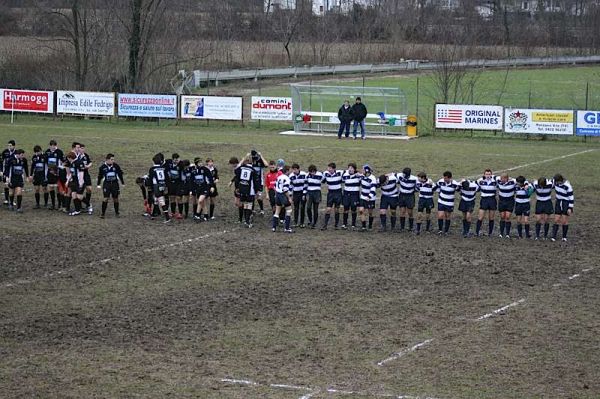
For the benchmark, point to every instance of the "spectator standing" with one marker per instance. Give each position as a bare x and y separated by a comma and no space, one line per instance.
359,111
345,115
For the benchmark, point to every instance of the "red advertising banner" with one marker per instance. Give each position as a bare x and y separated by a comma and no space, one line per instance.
27,101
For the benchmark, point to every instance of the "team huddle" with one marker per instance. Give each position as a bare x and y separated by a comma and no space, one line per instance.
352,193
64,179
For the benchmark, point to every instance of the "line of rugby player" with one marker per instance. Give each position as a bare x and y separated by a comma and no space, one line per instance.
62,178
353,193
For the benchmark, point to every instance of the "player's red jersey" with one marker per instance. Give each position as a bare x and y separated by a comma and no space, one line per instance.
271,178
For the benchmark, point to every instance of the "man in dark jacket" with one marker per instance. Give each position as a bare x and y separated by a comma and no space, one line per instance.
345,115
360,113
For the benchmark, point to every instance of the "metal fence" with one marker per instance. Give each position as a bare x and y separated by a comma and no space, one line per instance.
203,77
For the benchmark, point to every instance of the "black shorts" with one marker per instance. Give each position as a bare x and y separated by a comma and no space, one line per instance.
406,201
388,202
425,204
259,188
87,179
561,207
351,200
16,183
75,188
272,197
544,208
110,190
38,179
185,190
297,197
214,192
366,204
488,204
466,206
246,198
200,190
282,200
62,175
334,199
51,179
506,205
522,209
313,197
174,189
445,208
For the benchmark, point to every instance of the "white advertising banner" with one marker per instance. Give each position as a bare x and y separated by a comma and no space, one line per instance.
588,123
538,121
464,116
211,107
27,101
272,108
85,103
148,105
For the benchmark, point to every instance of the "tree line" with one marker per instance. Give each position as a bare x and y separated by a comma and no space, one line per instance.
138,45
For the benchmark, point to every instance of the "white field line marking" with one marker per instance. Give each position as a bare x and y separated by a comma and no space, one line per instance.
538,162
574,276
503,308
309,395
241,382
108,260
403,352
292,387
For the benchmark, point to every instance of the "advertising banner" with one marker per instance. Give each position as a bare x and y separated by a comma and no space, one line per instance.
463,116
85,103
211,107
27,101
271,108
588,123
148,105
538,121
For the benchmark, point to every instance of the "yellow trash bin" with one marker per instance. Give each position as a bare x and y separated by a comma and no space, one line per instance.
411,126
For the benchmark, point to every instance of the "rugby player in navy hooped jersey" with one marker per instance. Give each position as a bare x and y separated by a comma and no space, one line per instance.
109,176
407,185
523,205
351,196
368,194
17,174
564,204
312,190
38,168
468,190
488,187
298,181
283,199
202,187
507,188
446,188
543,205
389,200
333,179
425,187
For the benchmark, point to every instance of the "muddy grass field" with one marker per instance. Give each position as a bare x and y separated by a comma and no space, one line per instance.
131,308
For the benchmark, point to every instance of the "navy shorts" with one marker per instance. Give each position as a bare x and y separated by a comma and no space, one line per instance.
506,204
51,178
16,183
174,189
445,208
367,204
466,206
87,179
522,209
406,201
351,200
282,200
38,179
110,190
561,207
425,204
200,190
214,194
544,208
388,202
334,199
488,204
